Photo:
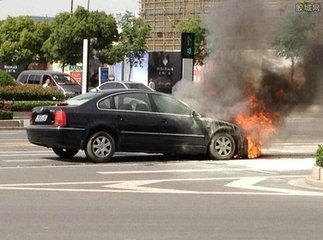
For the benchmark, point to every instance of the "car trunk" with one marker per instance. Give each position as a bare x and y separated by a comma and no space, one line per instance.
51,115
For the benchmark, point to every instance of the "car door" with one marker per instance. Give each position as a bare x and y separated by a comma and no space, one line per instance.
136,122
178,129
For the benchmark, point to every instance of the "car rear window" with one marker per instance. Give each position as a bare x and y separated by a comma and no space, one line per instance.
81,99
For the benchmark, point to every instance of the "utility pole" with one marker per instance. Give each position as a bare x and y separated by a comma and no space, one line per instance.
72,3
85,74
88,5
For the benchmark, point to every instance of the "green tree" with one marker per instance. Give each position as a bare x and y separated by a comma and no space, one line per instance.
21,40
292,38
65,43
131,44
6,79
193,25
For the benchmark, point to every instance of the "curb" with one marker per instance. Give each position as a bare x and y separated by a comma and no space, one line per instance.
12,128
313,182
11,123
316,179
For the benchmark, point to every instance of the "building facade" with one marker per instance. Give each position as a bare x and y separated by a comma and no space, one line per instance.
162,16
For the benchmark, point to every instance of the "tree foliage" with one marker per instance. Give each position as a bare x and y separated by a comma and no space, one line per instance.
6,79
194,25
65,44
292,38
132,42
292,35
21,40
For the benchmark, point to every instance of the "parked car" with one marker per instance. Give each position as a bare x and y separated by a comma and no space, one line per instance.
105,122
121,85
62,81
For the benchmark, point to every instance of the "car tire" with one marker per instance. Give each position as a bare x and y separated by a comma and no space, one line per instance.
65,152
100,147
222,146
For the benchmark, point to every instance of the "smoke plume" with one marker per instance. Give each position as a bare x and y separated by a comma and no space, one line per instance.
241,57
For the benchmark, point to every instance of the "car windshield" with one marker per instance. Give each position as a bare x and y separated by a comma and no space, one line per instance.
63,79
137,86
81,99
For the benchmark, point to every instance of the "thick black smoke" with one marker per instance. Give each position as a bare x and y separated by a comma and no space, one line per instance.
241,57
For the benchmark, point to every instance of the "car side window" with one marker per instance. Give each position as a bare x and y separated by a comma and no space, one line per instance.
34,79
23,78
119,86
107,86
106,103
167,104
132,102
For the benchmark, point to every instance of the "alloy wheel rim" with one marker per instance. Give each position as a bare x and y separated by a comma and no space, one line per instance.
223,146
101,147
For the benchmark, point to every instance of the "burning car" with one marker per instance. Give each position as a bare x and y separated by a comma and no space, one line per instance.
102,123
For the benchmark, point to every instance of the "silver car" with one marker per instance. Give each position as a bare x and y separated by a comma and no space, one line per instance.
121,85
62,81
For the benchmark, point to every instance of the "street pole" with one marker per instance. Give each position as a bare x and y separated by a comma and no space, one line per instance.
85,73
72,4
85,65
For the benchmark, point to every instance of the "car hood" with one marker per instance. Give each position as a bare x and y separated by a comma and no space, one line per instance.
212,125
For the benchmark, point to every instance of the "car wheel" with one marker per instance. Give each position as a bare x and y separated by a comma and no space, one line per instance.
65,152
100,147
222,146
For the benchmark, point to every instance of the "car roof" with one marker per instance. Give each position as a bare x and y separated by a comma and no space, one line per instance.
118,90
42,72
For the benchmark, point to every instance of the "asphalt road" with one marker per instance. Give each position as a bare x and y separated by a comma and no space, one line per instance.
142,196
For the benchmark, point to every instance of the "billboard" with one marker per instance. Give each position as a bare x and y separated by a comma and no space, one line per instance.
165,70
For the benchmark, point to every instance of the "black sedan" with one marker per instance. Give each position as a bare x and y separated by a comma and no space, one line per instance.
103,123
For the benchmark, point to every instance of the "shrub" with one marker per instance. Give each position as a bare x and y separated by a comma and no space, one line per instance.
29,105
6,115
29,93
6,79
319,156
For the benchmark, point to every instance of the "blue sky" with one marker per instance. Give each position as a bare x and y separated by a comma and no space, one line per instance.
52,7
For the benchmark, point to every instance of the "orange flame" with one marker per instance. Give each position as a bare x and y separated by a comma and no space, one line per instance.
258,124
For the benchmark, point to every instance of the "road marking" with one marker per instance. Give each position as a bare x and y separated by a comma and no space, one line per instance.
2,145
16,139
282,164
24,154
27,160
7,133
249,183
172,171
138,186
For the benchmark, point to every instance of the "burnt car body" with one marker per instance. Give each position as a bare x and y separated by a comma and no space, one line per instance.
103,123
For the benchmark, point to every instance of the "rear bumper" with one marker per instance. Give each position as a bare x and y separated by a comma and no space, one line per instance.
55,137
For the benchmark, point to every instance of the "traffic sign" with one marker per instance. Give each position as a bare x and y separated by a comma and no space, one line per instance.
188,40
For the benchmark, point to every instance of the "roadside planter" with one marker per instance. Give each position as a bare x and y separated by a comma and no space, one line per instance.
316,178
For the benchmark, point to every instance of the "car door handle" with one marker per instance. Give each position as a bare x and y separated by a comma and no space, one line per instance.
164,121
120,118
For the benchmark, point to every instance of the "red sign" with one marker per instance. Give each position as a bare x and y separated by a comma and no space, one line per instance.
77,76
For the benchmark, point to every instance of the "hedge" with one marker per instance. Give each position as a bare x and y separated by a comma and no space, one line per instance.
319,156
5,115
29,105
29,93
6,79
